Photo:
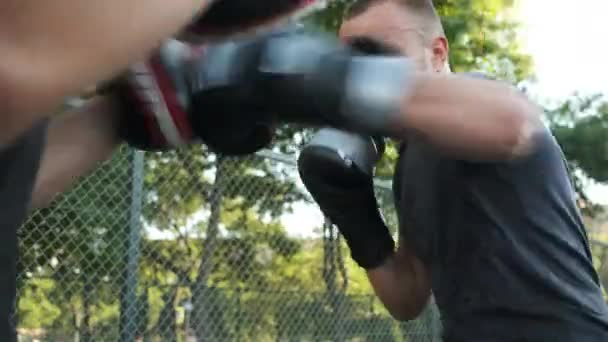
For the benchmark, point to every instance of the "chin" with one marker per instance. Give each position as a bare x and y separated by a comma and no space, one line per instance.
228,19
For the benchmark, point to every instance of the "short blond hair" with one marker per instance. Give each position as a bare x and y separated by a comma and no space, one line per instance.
425,9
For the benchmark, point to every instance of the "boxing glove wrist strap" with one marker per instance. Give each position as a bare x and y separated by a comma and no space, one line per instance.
362,226
375,87
374,250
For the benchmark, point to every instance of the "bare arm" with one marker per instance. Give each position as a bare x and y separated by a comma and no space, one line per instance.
77,142
53,49
471,118
402,284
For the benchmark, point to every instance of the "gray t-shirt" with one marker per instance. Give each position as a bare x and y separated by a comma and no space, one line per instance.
18,168
504,243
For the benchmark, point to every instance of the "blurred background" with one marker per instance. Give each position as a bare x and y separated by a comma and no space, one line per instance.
191,246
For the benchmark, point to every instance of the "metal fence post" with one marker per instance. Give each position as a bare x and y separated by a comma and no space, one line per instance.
128,300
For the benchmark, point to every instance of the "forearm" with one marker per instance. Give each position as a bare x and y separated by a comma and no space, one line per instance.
401,284
470,118
77,143
53,49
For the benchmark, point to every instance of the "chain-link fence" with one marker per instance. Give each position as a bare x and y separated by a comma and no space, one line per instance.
185,246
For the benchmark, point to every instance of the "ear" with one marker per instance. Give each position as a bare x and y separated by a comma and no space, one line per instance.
440,49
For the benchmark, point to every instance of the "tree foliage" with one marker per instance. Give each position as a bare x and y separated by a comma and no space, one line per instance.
580,125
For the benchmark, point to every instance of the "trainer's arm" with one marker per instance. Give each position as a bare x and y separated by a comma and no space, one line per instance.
77,143
53,49
470,118
402,284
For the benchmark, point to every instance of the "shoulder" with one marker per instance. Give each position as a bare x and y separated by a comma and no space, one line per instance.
546,164
547,151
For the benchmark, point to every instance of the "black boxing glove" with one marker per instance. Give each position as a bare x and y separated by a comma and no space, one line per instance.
337,169
158,113
318,76
310,78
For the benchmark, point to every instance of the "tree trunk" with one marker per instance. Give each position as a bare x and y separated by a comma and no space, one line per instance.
202,318
87,293
332,264
143,314
167,325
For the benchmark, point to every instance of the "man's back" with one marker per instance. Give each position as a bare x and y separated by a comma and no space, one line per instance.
504,244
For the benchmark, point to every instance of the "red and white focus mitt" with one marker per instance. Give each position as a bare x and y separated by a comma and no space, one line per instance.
157,112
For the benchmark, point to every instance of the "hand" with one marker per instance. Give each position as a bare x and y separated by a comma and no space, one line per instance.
337,169
158,112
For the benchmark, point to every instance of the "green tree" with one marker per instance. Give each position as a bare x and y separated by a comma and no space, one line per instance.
580,125
234,196
72,252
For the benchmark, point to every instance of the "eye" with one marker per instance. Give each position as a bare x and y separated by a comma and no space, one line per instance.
370,46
